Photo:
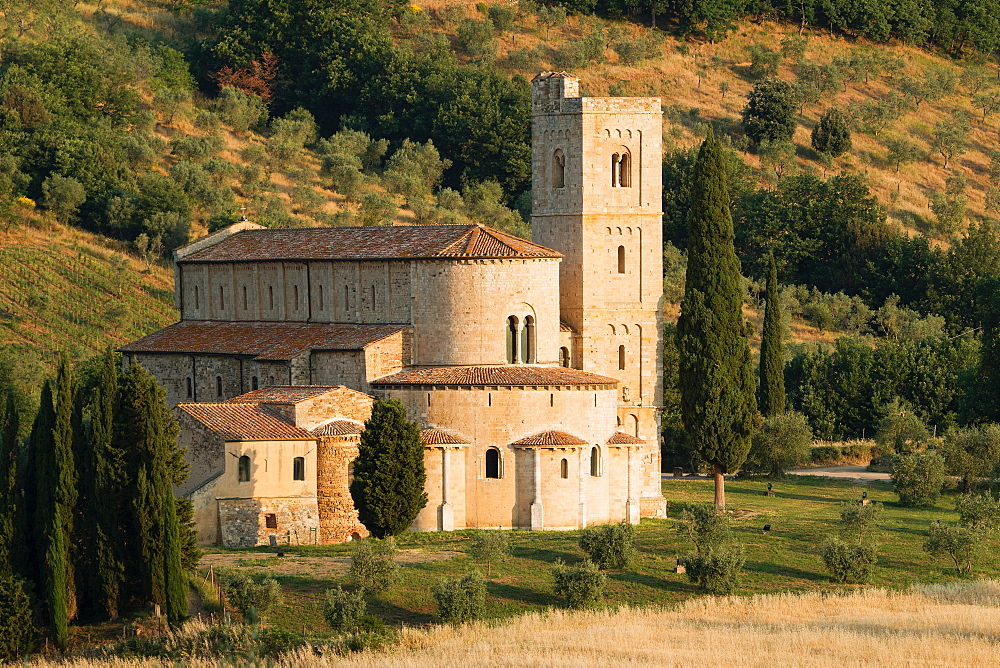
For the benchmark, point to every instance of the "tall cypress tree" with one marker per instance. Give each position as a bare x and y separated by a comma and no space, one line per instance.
772,359
48,519
9,502
175,581
718,394
67,434
389,475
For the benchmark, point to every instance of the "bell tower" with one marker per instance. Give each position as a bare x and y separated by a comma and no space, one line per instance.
597,199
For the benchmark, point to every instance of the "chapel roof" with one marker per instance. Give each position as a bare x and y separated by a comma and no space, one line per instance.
551,438
338,428
368,243
282,394
432,436
246,422
619,438
513,374
278,341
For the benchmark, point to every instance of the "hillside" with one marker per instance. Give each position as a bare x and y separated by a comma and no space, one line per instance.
62,289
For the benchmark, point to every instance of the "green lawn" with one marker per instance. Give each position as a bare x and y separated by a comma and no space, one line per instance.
803,512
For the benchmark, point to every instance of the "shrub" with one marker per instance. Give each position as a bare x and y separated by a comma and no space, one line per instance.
240,110
609,546
477,38
717,572
900,430
461,600
960,543
582,586
251,596
17,623
344,610
763,61
707,527
272,643
832,135
490,546
918,479
978,512
824,454
782,443
972,453
373,567
849,563
770,112
859,522
375,210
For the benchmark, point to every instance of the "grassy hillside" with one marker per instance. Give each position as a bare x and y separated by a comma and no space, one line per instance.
62,289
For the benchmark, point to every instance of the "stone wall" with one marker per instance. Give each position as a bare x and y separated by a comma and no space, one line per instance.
243,522
204,451
338,517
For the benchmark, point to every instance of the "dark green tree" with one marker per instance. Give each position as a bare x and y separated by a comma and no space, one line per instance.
174,578
718,394
9,454
389,476
770,112
832,135
772,358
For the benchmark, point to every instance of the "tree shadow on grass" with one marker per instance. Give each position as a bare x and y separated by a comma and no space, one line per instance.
653,582
546,556
783,495
522,594
778,569
394,614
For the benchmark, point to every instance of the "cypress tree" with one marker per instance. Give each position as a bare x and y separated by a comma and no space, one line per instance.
718,396
174,578
51,551
68,432
772,360
9,502
389,476
832,135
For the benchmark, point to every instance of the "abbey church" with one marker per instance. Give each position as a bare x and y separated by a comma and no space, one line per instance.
533,368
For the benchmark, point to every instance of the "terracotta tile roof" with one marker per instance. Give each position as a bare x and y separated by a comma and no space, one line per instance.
494,375
262,340
338,428
370,243
281,394
618,438
432,436
245,422
551,438
563,327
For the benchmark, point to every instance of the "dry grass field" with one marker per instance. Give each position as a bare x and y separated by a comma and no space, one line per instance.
931,625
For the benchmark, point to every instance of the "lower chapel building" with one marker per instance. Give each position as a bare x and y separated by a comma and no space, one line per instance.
533,368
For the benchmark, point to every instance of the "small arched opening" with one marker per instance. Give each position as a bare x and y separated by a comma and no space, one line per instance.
494,464
243,469
253,383
222,298
595,461
564,356
512,339
197,298
558,169
621,358
190,387
621,259
528,340
564,468
218,387
299,468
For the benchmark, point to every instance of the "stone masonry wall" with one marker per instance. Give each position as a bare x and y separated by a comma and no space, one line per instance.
244,521
338,517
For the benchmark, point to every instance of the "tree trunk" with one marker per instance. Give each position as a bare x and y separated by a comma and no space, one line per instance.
720,488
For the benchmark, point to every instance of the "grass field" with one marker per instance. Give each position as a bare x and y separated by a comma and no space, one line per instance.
803,513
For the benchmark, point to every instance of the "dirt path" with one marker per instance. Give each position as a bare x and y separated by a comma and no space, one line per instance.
851,472
316,567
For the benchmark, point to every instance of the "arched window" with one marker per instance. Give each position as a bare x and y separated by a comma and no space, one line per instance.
190,387
564,469
528,340
621,358
347,297
373,297
494,465
621,169
621,259
295,290
350,473
635,424
222,298
558,169
243,469
321,307
512,339
595,461
197,299
564,356
299,468
614,169
218,386
245,303
253,382
270,296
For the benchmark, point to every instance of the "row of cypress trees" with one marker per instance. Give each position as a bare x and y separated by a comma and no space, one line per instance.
88,517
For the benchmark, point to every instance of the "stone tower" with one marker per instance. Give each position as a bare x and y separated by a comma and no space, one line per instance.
597,198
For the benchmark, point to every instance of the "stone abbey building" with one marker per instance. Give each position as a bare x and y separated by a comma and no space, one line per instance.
533,368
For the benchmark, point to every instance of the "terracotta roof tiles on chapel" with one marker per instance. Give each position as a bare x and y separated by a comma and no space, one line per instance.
245,422
512,375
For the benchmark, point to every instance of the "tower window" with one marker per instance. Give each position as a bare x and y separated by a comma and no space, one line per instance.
558,169
245,303
197,299
621,358
299,468
373,297
295,290
347,297
595,461
222,298
494,467
528,340
243,469
621,170
621,259
321,298
564,357
270,296
190,387
218,386
512,339
564,469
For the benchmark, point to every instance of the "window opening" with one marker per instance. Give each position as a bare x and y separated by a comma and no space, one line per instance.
595,461
295,289
321,298
373,297
564,469
245,303
621,358
244,469
270,296
253,382
222,298
564,357
614,170
621,170
347,297
621,259
190,387
528,340
270,521
299,468
558,169
512,339
493,469
552,399
197,299
350,473
218,386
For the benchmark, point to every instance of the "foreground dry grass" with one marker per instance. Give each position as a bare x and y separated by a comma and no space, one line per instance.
953,624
